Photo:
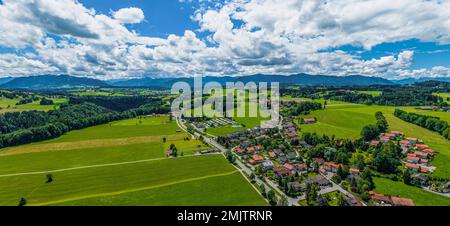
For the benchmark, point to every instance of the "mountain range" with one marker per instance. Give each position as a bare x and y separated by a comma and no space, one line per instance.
66,81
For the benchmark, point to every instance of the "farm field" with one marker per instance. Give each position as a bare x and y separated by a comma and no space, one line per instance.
116,159
220,190
348,121
9,105
443,95
442,115
374,93
420,197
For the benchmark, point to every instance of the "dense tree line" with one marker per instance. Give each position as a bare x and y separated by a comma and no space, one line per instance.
303,108
56,123
370,132
426,121
13,121
119,103
393,96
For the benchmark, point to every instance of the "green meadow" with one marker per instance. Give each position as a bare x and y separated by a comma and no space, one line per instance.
419,196
445,96
9,105
116,160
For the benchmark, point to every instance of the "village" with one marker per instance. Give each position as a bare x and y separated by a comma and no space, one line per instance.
278,155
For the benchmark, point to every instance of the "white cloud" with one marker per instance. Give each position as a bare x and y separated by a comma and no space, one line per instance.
130,15
243,37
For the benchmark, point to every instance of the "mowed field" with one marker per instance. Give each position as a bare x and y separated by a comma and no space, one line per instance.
122,163
444,95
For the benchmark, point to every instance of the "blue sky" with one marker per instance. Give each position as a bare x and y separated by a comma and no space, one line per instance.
139,38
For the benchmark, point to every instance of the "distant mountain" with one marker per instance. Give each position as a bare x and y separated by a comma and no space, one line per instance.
298,79
51,82
5,80
415,80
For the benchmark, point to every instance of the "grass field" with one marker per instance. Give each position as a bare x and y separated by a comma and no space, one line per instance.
442,115
420,197
122,161
374,93
9,105
347,120
443,95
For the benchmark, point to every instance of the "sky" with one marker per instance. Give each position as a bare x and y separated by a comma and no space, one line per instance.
123,39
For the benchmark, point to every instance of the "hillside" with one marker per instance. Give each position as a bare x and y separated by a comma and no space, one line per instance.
51,82
298,79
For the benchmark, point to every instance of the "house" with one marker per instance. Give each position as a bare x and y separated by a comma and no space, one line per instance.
374,143
384,139
412,140
291,156
424,161
419,179
352,201
413,159
169,152
288,166
258,158
267,165
331,167
321,181
280,171
282,159
272,154
298,187
320,161
429,151
422,146
355,171
391,136
309,120
424,170
239,150
397,201
397,133
300,167
422,155
405,144
380,198
412,167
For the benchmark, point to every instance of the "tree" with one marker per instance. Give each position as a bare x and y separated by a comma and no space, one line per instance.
407,177
283,201
370,132
322,201
341,200
49,178
22,202
164,139
230,157
312,190
272,198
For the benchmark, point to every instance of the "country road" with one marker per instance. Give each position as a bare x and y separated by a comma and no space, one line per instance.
241,165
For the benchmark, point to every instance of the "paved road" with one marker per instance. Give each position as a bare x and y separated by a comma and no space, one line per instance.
240,164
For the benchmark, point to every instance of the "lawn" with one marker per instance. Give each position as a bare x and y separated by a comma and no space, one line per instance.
121,158
420,197
220,190
112,180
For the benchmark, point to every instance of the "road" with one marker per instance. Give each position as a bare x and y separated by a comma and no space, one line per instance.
243,167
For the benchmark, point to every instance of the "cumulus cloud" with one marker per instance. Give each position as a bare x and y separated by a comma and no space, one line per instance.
130,15
242,37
